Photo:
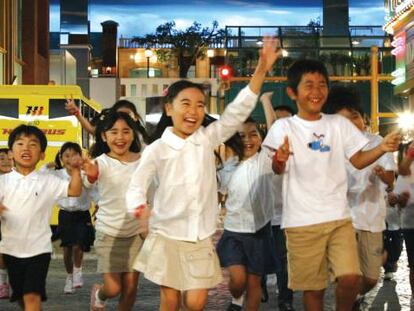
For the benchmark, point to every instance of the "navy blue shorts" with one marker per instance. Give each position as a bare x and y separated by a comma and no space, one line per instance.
27,275
255,251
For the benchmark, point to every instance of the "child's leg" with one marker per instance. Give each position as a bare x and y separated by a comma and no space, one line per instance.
111,287
238,280
195,299
128,291
67,259
313,300
77,256
170,299
32,302
254,292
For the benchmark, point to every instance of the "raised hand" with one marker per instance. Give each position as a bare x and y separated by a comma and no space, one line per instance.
283,153
269,53
379,171
70,106
391,142
91,169
403,198
266,96
392,199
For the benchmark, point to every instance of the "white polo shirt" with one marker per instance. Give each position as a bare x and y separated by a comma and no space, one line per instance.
366,191
315,181
185,201
250,189
29,200
406,184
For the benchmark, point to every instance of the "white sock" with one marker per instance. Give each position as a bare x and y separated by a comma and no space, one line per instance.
3,276
77,270
238,301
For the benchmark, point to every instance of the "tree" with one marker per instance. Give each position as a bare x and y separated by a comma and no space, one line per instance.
186,45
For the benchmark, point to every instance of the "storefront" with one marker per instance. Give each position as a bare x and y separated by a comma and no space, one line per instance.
400,14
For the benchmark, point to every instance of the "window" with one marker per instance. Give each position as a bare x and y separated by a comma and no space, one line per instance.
57,108
9,107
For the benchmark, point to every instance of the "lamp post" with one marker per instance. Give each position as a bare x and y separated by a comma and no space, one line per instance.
148,55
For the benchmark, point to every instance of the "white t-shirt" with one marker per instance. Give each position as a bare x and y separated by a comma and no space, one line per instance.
366,191
315,181
250,200
185,200
406,184
112,217
393,218
29,201
278,207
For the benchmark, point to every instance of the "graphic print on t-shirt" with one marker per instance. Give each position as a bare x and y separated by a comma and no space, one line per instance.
318,144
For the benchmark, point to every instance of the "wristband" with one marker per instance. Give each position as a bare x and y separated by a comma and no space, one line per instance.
410,153
76,113
138,211
92,179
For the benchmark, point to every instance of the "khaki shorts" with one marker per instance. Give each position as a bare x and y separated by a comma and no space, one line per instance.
320,251
370,248
178,264
115,254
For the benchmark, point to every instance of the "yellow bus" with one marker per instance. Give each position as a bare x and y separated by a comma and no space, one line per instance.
44,107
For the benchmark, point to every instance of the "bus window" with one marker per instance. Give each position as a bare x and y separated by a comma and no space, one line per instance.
57,108
9,107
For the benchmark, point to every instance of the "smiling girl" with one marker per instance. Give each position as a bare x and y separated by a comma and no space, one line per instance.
117,241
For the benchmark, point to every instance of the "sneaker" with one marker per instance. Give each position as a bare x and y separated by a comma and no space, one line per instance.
96,304
77,279
4,291
68,289
388,276
234,307
286,306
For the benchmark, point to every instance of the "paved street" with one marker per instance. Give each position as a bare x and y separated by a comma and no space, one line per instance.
388,295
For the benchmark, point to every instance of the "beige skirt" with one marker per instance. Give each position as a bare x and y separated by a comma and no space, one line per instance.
116,254
178,264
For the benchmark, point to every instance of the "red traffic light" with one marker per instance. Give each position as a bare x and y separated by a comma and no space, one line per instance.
225,72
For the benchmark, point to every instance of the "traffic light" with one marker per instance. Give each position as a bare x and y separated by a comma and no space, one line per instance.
225,73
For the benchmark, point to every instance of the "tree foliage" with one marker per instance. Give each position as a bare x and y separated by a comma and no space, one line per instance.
186,45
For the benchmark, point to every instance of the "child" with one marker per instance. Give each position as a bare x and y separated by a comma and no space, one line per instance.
117,241
6,164
178,253
26,201
366,189
75,225
311,151
121,105
404,189
244,248
285,295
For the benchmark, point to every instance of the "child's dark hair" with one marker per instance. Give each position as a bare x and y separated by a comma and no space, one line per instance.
343,97
4,150
68,145
140,122
28,130
284,108
304,66
170,94
106,122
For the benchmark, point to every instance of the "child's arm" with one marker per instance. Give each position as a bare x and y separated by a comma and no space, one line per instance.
71,107
268,108
75,184
362,159
387,177
242,106
91,170
281,156
408,158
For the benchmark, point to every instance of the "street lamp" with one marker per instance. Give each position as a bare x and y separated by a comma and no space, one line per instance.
148,54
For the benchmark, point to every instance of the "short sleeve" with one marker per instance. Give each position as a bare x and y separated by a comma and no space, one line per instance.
276,134
58,186
354,140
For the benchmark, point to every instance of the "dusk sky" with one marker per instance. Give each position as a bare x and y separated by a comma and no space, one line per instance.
139,17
